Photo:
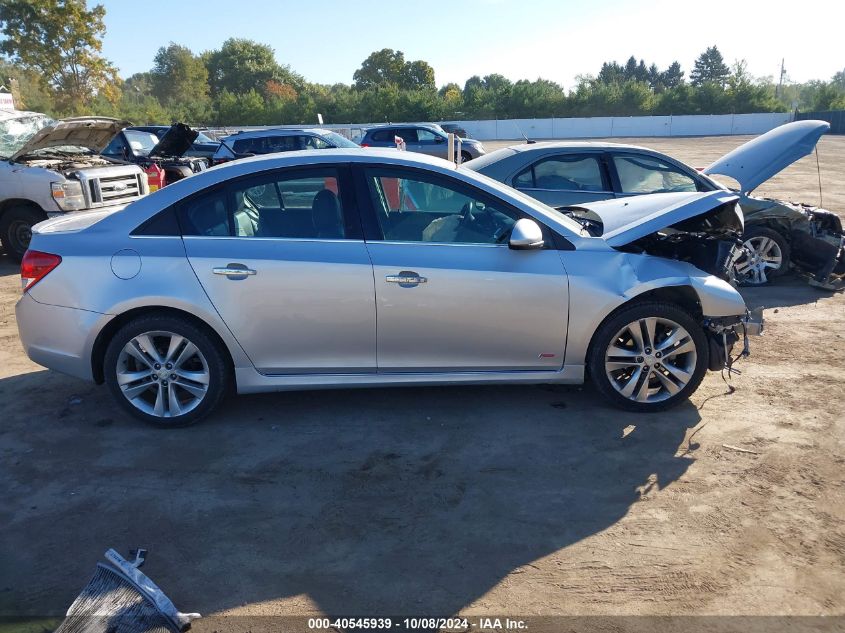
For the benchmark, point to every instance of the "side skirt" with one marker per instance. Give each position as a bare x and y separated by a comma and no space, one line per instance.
250,381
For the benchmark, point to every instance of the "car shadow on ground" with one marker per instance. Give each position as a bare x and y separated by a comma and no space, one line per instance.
791,290
368,502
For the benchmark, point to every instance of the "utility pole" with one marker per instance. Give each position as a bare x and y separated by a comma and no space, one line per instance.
780,81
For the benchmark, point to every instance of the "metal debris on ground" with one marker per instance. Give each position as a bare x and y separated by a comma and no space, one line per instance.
121,599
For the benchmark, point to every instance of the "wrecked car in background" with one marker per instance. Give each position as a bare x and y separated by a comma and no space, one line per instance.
777,235
161,157
50,168
203,146
781,234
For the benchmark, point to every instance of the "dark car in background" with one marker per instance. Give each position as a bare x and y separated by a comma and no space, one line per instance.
256,142
778,235
162,157
425,138
203,146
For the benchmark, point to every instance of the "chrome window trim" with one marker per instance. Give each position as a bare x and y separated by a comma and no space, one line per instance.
398,243
559,190
267,239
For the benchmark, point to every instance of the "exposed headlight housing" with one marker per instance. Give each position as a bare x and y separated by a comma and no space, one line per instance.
68,195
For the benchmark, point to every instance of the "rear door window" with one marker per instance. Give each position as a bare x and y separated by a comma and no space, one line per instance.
305,204
382,136
409,135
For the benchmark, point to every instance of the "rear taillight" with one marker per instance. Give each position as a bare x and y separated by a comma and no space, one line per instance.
34,267
365,144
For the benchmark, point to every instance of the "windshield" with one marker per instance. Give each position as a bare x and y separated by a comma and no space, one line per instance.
541,208
14,133
141,143
338,141
202,138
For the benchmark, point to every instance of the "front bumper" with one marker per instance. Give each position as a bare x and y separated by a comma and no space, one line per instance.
725,332
752,323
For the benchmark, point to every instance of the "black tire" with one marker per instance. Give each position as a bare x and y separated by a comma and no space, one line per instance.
465,157
16,229
627,315
213,352
782,243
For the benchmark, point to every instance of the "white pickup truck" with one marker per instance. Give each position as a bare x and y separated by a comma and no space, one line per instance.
49,168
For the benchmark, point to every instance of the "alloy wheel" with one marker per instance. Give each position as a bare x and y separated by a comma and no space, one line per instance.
162,374
761,253
650,359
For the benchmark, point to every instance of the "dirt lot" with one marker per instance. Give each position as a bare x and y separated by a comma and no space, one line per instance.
520,501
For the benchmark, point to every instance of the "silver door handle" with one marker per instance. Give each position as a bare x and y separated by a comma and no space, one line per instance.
405,278
228,271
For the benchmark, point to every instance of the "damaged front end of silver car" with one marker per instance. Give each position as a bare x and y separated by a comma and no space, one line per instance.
703,230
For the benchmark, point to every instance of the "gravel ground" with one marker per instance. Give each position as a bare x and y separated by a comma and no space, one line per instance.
520,501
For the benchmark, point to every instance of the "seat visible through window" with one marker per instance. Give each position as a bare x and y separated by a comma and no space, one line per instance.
301,204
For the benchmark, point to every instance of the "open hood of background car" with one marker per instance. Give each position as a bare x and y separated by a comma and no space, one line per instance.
626,220
175,142
754,162
90,132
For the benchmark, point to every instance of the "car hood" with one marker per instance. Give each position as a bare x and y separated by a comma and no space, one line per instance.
626,220
754,162
90,132
175,142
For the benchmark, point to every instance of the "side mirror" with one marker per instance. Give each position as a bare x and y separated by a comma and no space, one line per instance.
526,236
439,139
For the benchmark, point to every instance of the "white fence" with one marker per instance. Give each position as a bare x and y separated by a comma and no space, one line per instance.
587,127
603,127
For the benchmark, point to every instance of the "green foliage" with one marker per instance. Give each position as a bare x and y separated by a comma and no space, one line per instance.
389,67
710,67
242,65
243,84
60,40
177,75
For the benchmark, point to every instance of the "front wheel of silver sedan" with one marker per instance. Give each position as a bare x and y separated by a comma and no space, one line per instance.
648,357
766,255
165,370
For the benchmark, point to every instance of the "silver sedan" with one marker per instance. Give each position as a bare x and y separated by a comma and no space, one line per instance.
343,268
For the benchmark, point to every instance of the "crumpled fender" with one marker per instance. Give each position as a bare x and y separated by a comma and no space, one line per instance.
600,282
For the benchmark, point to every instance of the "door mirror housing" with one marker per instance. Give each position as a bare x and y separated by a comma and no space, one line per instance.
439,139
526,235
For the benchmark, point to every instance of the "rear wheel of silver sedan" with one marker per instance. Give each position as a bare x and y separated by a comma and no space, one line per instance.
648,357
166,371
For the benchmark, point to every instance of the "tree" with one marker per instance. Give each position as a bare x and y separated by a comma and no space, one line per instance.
418,74
380,68
240,109
388,66
748,94
61,40
611,73
710,67
178,77
673,76
242,65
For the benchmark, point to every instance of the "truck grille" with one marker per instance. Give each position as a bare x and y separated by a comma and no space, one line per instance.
107,190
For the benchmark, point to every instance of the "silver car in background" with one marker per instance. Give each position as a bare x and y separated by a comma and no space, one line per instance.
425,138
343,268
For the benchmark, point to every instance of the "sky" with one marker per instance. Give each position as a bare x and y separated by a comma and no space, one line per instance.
327,40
